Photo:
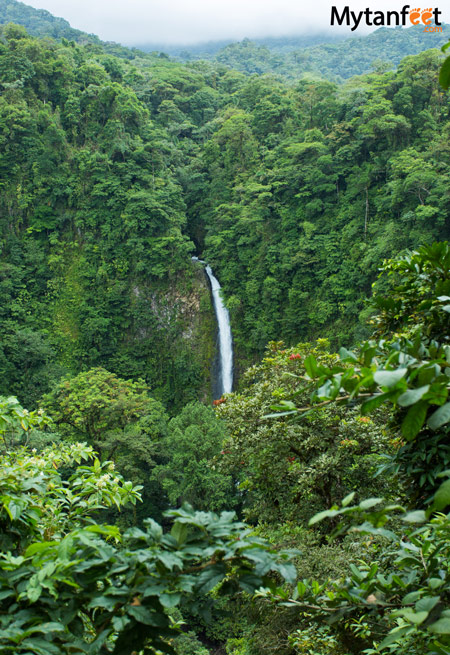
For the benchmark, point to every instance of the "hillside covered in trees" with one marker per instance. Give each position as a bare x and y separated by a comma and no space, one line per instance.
294,193
327,54
115,171
333,59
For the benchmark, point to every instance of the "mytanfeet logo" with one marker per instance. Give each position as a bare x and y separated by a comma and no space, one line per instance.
427,17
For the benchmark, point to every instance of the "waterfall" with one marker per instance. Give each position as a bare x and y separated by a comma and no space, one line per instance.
225,382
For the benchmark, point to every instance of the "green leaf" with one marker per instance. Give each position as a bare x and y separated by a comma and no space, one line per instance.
287,570
389,378
412,396
442,496
322,515
348,499
414,420
347,355
426,604
417,516
412,597
40,647
376,401
107,602
7,593
143,615
325,391
301,589
34,592
39,547
169,600
310,364
440,417
415,617
170,560
106,530
279,414
394,636
179,532
444,75
440,627
369,503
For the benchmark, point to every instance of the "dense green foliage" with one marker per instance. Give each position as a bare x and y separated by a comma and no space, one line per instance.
120,420
114,170
444,75
111,169
69,584
95,267
309,188
170,460
405,585
287,471
192,441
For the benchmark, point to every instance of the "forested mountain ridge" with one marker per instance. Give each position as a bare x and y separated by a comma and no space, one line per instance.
335,61
280,45
41,23
329,54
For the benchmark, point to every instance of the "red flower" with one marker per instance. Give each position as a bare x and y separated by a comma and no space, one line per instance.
295,356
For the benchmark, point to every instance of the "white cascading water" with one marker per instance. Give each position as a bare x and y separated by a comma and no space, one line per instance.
225,337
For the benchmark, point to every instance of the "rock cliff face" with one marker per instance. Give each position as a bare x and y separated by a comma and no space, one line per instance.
182,326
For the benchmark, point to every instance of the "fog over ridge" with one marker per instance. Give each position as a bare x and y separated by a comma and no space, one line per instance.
188,22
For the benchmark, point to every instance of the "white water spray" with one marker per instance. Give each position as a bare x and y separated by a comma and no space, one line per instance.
225,337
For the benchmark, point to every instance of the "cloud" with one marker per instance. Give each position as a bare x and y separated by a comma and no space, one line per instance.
193,21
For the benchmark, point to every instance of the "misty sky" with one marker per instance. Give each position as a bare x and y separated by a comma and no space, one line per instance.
191,21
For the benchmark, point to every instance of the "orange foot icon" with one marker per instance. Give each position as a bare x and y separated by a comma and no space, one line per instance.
414,16
426,16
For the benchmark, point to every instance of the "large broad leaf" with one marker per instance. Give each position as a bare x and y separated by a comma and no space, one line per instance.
376,401
179,532
169,600
389,378
327,513
39,647
444,75
418,516
414,420
412,396
441,627
368,503
347,355
442,496
311,367
147,617
426,604
440,417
